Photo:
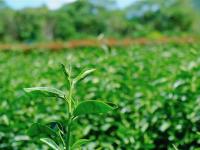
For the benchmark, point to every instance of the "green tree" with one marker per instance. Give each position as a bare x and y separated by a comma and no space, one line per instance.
29,23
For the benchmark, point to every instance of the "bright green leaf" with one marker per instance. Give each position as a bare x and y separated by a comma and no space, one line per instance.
165,125
65,71
175,148
67,74
80,142
92,107
50,143
46,91
83,75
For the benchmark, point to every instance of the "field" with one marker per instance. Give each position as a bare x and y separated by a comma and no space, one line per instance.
156,88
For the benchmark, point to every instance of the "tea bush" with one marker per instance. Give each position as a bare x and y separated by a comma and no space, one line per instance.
156,87
58,135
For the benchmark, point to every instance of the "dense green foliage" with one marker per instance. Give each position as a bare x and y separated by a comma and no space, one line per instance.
157,89
89,18
59,137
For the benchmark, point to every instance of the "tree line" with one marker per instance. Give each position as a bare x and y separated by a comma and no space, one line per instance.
89,18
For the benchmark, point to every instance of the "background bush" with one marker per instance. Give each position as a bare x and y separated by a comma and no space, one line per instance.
89,18
156,88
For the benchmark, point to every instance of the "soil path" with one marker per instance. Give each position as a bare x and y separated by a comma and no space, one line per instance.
98,43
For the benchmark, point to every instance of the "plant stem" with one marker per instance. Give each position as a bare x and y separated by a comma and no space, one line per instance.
70,97
68,135
70,116
70,101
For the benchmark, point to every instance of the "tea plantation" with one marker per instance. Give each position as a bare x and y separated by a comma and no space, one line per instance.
156,88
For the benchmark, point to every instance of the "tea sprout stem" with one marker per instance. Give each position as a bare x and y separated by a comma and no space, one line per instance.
68,135
70,115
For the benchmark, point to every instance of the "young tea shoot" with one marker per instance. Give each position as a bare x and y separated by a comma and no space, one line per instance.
58,137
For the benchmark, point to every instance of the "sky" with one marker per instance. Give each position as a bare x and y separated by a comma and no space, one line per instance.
52,4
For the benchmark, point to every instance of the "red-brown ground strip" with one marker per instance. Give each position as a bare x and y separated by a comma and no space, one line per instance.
55,46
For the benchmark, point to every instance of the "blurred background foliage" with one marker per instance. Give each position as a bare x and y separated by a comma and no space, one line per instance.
89,18
156,86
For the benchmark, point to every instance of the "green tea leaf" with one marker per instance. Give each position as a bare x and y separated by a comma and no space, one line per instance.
67,75
92,107
175,148
80,142
46,91
65,71
83,75
39,130
50,143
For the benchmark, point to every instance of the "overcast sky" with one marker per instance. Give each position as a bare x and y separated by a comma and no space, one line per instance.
52,4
